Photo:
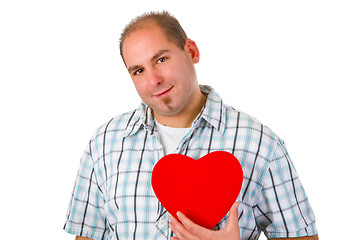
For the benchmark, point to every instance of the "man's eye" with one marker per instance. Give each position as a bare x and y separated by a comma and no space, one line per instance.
137,72
162,60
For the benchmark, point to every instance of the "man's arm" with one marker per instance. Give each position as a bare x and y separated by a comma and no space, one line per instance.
82,238
315,237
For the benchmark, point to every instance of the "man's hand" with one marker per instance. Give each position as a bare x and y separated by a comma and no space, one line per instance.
188,230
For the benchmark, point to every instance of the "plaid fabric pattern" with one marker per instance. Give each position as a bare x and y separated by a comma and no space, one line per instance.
113,197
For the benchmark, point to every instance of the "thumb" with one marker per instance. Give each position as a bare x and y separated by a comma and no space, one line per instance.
233,215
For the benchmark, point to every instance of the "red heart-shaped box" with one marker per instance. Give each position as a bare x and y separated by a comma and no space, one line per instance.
204,189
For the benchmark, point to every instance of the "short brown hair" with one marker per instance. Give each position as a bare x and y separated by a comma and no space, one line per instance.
168,24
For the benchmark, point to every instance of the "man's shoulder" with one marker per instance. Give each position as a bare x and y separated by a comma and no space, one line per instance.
247,122
120,125
235,115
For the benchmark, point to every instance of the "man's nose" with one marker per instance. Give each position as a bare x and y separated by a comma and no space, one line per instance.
155,77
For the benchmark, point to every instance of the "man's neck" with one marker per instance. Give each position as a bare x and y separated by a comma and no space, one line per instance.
184,119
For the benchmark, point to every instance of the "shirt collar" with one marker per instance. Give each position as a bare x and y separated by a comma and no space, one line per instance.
214,112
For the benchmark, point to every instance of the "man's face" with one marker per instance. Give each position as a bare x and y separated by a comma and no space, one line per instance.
163,74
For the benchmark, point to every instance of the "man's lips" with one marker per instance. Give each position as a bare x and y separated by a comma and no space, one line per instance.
163,93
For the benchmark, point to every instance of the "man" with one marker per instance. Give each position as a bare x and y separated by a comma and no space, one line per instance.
113,198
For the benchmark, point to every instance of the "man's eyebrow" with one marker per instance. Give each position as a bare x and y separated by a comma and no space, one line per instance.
158,54
132,68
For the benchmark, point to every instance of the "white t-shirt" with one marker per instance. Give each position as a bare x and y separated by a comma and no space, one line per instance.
170,137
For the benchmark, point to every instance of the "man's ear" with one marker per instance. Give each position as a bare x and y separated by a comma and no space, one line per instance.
191,48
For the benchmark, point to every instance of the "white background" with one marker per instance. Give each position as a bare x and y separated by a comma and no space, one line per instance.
291,64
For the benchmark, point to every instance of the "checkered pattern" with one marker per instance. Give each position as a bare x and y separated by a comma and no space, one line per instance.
113,197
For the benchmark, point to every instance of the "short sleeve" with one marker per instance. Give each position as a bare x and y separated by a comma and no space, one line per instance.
86,214
283,209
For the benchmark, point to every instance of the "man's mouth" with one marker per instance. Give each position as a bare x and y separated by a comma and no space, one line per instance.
163,93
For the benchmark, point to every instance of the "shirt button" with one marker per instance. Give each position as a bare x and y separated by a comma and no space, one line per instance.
162,223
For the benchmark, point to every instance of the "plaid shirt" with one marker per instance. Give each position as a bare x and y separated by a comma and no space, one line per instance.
113,197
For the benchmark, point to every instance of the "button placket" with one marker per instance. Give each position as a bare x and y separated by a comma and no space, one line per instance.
163,226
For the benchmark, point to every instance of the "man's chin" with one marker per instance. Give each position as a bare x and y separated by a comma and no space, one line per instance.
167,112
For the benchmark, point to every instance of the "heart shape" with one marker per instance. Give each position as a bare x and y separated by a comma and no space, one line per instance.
204,189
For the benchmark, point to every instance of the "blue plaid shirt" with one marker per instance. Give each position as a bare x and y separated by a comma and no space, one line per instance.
113,197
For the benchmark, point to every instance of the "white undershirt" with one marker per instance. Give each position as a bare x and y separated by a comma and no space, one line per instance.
170,137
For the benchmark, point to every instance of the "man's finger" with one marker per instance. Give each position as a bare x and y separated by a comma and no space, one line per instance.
232,226
179,229
176,227
233,215
191,226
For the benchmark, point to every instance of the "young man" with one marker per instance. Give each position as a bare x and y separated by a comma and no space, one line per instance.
113,198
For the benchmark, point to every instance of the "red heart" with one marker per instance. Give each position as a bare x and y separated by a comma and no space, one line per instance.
204,189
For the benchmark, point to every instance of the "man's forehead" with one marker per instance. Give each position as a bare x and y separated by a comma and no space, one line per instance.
144,44
148,30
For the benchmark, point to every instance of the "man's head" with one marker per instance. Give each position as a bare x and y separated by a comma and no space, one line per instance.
169,25
163,72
